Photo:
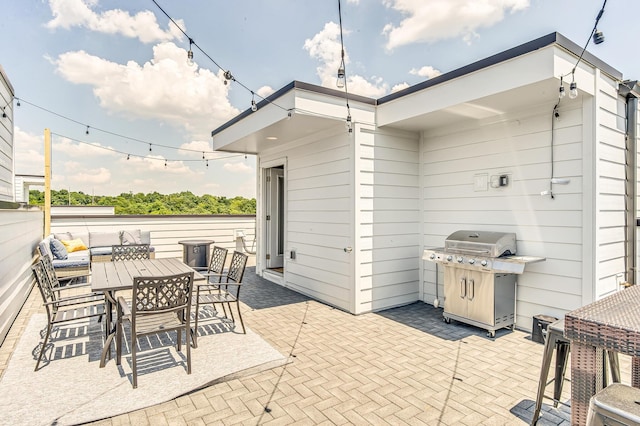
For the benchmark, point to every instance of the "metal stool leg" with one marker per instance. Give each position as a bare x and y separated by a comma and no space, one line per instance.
562,355
549,346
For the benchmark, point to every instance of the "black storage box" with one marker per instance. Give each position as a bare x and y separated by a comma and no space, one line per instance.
540,322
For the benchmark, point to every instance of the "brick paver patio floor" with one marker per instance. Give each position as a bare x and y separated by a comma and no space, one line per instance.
399,366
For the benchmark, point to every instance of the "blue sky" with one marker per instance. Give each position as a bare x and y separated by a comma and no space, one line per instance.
120,67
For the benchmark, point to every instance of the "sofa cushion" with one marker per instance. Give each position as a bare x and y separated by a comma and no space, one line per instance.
57,249
104,239
100,251
131,236
63,236
74,260
74,245
45,248
84,236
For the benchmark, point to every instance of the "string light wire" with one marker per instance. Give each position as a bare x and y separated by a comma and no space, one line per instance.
129,155
344,70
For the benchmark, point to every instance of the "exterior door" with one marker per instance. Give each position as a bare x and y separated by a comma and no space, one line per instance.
274,219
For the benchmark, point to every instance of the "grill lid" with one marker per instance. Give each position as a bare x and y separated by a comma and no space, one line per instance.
483,243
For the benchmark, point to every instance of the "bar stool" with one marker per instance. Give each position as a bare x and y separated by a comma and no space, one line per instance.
614,405
555,340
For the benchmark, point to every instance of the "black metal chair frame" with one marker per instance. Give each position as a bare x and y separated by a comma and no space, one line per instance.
63,309
130,252
158,305
225,292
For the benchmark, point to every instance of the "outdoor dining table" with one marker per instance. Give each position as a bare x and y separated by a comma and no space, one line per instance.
611,323
109,277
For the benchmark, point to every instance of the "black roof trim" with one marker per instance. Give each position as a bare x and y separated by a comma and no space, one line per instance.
514,52
281,92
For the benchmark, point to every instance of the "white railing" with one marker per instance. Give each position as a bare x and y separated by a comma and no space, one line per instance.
166,231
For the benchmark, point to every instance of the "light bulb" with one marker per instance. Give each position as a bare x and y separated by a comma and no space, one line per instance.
341,77
573,90
190,58
562,93
598,37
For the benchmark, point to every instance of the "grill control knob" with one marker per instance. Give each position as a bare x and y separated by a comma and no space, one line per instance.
433,256
460,259
449,258
483,263
472,261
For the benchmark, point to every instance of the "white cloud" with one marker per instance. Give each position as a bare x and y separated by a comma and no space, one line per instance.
441,19
78,173
237,168
29,153
142,25
426,71
325,47
80,150
398,87
265,91
165,89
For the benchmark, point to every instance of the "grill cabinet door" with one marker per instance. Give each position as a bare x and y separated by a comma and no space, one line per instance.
455,291
480,295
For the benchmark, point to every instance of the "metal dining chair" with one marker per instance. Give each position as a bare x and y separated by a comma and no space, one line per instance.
158,305
224,292
63,309
130,252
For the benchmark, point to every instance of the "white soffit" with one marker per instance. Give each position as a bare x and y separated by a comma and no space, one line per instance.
490,92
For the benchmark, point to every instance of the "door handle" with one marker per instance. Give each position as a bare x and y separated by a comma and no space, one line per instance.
463,287
472,289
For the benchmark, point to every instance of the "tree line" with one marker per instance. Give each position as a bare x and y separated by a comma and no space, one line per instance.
153,203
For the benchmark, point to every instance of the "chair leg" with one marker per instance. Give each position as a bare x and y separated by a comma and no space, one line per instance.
195,327
239,316
179,336
44,345
134,364
188,333
119,333
549,346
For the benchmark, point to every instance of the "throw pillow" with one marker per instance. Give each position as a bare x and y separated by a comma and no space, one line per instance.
58,249
131,237
74,245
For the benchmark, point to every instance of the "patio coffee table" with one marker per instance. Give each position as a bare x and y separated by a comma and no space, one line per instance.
612,323
109,277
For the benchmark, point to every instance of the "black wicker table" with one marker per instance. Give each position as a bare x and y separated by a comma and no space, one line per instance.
611,323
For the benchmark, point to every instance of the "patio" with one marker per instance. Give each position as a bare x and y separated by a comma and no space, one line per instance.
399,366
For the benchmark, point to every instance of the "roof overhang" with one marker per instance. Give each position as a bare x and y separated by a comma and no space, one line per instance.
519,78
292,113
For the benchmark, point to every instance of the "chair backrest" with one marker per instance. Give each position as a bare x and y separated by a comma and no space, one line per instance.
49,271
161,294
218,259
46,290
236,268
129,252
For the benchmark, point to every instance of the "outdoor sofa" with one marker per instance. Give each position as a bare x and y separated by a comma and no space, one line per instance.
72,252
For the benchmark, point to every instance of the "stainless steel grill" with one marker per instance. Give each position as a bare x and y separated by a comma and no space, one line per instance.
480,269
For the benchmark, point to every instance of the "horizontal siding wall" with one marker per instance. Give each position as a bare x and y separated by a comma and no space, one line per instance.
6,141
610,189
319,217
166,231
389,220
455,159
20,232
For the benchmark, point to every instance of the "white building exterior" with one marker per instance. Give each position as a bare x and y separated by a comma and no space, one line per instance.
344,217
6,138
